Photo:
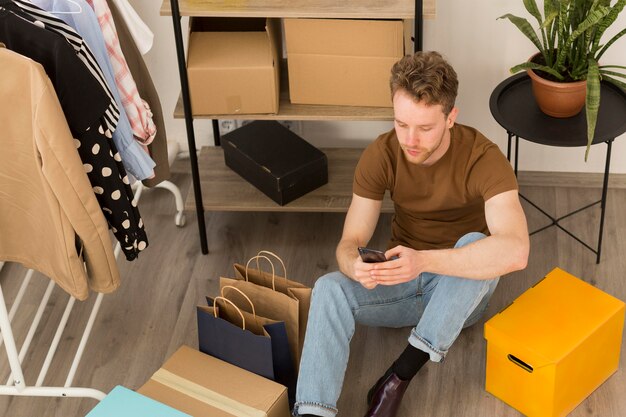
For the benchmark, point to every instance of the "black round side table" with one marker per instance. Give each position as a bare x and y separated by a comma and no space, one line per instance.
513,106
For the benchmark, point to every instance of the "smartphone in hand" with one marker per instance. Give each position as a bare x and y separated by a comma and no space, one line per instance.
372,255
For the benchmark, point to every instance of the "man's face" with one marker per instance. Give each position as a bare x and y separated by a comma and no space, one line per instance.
422,130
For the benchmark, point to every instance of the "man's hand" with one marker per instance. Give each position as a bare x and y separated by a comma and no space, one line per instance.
408,265
363,273
357,231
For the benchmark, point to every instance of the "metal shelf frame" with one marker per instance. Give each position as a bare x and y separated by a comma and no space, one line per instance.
191,140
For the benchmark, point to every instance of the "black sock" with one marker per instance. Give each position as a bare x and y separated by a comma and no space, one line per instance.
409,362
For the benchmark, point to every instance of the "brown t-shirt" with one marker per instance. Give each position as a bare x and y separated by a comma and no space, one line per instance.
435,205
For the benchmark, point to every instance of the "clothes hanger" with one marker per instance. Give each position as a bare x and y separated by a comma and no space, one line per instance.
80,8
14,9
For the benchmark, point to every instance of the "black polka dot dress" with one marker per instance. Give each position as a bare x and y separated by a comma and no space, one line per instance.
111,186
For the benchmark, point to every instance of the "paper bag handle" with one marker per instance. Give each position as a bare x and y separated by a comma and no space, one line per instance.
275,256
243,320
257,263
240,292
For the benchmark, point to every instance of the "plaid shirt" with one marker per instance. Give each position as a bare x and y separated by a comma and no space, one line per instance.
137,109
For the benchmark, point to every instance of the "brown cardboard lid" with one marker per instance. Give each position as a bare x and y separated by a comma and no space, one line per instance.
345,37
229,50
554,316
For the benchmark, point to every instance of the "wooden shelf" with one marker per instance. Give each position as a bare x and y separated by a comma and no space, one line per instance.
288,111
331,9
224,190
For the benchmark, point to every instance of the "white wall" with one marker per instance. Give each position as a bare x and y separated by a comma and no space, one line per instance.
480,48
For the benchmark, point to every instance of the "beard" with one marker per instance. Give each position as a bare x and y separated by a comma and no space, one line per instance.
417,156
420,155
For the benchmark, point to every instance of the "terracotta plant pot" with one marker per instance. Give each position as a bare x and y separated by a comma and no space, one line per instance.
558,99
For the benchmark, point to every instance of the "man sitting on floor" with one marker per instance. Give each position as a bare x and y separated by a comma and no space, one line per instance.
458,226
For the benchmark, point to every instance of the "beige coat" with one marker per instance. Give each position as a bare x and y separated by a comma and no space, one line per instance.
46,201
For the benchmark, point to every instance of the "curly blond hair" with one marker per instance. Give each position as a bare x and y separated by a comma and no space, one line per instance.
427,77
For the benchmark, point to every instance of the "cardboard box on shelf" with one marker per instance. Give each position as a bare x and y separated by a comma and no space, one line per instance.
275,160
342,62
201,385
553,346
233,65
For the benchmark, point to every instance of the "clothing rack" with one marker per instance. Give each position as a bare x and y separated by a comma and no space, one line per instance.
16,384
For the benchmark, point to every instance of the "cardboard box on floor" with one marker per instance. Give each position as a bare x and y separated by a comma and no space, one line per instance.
233,65
201,385
553,346
342,62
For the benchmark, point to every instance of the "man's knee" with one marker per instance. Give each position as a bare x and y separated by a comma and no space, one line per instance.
469,238
329,286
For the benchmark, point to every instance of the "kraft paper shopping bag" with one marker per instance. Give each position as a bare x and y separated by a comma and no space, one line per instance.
275,297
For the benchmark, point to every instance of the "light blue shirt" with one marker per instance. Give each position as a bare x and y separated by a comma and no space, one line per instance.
135,159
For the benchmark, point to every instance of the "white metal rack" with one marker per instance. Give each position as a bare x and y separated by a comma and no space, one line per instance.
16,385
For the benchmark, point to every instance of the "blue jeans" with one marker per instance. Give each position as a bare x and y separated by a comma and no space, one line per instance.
438,306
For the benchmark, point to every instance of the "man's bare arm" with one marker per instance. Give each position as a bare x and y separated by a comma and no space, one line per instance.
505,250
358,229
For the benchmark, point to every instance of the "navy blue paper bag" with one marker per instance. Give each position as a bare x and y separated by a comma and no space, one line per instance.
243,339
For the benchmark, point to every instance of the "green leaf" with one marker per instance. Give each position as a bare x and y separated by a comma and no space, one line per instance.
549,19
613,81
549,7
616,74
531,7
532,65
525,27
606,22
563,6
548,30
612,66
580,71
592,101
609,43
592,19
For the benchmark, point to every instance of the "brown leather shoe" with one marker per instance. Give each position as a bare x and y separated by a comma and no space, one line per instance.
387,396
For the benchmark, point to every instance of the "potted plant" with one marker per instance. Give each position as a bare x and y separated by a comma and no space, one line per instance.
569,49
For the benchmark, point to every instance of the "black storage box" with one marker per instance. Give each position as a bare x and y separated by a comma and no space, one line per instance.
275,160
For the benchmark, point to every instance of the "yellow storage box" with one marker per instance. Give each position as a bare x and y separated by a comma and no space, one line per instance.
553,346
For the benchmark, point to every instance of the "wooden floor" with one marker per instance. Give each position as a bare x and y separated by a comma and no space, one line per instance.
153,313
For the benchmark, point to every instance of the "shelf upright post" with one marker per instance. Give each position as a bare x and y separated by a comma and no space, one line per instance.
216,132
419,25
191,140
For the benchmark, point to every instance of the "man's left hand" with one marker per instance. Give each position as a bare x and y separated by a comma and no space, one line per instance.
408,265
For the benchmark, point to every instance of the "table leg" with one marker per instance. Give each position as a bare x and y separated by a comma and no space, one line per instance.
555,221
605,186
508,146
516,152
